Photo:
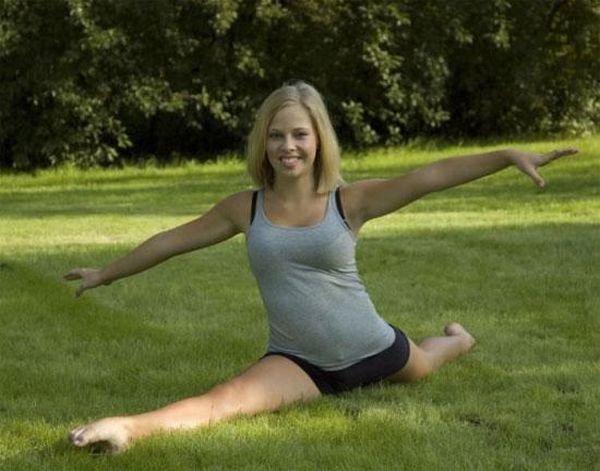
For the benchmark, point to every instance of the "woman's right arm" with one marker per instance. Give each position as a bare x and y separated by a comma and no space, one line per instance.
226,219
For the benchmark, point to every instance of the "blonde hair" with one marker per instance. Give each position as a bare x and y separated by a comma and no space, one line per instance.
327,162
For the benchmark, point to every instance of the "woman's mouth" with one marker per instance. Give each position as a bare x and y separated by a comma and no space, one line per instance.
289,161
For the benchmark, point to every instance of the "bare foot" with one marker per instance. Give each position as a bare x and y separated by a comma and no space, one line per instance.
455,328
110,435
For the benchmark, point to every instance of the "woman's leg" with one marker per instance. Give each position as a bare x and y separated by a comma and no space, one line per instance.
268,385
433,352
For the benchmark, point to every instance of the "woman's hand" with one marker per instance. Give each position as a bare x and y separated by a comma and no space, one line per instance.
91,278
528,162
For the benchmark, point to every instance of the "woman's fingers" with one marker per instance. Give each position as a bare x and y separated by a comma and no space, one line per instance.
84,274
531,162
74,274
567,151
536,177
80,289
558,153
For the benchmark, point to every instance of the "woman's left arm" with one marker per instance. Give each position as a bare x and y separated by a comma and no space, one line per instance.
370,199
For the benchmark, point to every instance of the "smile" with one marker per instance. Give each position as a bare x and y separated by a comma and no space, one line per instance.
289,161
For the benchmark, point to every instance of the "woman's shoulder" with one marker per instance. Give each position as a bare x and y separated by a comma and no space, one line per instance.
237,207
357,191
354,197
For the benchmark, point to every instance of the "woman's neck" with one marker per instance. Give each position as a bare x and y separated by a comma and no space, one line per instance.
296,189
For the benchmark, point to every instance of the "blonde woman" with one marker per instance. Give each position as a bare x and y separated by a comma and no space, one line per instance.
301,227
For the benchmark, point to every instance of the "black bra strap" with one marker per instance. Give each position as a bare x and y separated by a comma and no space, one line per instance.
253,210
338,203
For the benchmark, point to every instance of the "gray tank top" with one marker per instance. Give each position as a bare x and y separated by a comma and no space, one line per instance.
316,303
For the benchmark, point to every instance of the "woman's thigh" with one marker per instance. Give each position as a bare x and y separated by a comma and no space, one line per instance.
273,382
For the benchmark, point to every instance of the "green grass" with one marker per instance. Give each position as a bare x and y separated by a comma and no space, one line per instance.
515,264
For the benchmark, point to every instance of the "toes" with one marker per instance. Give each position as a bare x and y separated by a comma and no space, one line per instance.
83,436
108,435
454,329
76,437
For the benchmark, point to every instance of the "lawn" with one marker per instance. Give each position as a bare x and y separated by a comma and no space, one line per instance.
517,265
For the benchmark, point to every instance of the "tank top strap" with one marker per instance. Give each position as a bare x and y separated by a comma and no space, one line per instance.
256,210
260,203
253,207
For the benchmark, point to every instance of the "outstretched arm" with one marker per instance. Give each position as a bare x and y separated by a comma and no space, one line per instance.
370,199
222,222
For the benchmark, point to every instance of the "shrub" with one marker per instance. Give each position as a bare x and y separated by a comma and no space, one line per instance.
98,82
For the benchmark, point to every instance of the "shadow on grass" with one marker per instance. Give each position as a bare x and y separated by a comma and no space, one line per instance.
175,193
129,175
530,294
168,197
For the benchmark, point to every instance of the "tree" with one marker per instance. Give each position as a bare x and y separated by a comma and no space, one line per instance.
97,82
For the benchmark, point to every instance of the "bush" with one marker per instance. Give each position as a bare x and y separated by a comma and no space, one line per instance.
99,82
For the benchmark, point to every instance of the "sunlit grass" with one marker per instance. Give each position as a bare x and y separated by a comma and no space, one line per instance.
516,264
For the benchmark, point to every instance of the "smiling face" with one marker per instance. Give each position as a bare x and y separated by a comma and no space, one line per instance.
292,143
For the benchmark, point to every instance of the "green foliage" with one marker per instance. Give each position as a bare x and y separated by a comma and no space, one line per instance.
97,83
526,66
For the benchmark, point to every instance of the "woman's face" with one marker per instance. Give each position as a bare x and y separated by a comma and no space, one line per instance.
292,143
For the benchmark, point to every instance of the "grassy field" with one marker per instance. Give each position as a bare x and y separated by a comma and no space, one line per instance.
517,265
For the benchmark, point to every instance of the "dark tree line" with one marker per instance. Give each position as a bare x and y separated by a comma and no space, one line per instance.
99,81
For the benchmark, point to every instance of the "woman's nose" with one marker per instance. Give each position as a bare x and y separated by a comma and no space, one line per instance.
289,143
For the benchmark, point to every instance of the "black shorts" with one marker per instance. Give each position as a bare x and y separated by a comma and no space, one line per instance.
367,371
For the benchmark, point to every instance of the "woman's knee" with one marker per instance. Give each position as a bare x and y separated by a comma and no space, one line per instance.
237,396
419,366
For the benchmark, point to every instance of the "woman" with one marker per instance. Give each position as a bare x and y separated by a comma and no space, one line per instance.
301,227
